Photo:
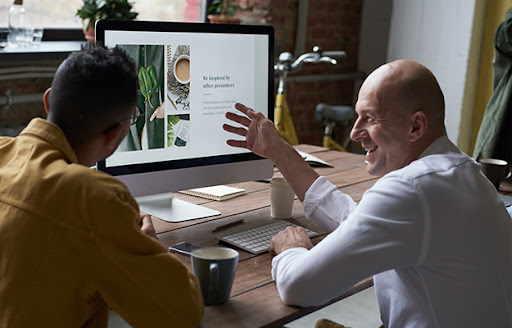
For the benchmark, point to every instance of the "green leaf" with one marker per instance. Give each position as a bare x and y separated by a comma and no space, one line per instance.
144,81
174,119
152,75
117,9
230,11
171,121
145,84
224,7
102,4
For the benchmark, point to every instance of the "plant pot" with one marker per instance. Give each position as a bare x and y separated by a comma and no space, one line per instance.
89,32
223,19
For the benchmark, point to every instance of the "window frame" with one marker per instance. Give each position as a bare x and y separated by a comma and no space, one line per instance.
76,34
63,34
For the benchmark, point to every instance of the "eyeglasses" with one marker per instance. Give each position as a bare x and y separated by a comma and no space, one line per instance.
136,116
133,119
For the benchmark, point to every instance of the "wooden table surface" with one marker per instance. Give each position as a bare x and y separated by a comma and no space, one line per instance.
254,300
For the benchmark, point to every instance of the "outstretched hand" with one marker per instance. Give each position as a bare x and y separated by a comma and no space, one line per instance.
261,137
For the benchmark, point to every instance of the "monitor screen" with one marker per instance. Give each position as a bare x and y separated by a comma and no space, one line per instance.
190,75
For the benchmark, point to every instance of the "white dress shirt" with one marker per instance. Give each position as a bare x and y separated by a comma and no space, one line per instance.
434,235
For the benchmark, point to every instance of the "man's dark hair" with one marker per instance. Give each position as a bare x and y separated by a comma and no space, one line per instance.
93,90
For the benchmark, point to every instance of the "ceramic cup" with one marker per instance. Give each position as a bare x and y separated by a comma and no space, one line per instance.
281,198
496,170
215,268
181,69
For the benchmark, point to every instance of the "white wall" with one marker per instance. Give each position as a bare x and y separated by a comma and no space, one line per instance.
374,34
436,33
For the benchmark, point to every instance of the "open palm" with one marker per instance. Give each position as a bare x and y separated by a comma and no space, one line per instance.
260,133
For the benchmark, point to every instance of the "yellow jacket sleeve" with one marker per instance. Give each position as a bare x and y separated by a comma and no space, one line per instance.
137,276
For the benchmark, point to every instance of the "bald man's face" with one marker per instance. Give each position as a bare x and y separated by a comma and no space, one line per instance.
381,128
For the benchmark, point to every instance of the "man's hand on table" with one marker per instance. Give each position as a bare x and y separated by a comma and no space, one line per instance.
146,225
290,238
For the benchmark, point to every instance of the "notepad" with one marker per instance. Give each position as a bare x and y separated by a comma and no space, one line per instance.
313,160
220,192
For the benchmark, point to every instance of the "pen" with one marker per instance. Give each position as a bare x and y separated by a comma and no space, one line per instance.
172,102
232,223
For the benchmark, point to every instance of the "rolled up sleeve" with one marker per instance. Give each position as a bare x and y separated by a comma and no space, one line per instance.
326,205
380,234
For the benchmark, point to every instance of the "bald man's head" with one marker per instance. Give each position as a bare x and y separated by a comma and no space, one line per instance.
408,87
401,112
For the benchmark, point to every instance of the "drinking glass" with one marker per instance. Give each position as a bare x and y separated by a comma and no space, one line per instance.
37,36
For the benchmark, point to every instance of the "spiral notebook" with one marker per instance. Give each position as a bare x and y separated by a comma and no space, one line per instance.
220,192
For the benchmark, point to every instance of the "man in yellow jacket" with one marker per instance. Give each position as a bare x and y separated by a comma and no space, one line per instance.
72,241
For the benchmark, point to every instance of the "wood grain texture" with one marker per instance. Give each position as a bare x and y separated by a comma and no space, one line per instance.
258,193
254,300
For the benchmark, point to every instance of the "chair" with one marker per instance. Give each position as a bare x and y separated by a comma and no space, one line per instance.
329,115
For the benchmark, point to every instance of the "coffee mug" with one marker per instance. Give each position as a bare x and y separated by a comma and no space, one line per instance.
496,170
215,268
182,69
281,198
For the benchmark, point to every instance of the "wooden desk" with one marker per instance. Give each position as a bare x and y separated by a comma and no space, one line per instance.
254,298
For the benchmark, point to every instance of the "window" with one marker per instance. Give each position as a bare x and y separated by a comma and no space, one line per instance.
61,13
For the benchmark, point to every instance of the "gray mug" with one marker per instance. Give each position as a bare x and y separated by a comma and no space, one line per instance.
496,170
215,268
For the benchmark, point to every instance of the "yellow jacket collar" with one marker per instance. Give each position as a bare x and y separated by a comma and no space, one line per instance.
51,133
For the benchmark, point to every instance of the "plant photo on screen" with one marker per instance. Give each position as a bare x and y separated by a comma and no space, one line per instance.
147,133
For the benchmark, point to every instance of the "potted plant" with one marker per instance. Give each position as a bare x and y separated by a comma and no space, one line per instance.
93,10
223,11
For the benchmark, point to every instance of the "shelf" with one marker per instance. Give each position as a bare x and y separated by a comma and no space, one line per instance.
47,50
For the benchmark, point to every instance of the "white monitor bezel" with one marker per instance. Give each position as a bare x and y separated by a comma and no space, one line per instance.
206,170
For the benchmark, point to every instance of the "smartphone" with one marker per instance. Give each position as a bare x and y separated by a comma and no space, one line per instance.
184,248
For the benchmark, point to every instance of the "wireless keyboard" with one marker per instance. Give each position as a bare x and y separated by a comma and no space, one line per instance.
257,240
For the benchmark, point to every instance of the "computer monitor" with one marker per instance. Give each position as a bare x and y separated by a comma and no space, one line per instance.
190,75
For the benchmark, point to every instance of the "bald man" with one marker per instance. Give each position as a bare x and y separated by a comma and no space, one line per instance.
432,231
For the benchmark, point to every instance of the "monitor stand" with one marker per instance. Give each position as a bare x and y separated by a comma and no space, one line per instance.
168,208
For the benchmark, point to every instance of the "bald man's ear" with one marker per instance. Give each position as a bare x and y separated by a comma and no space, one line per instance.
46,100
418,125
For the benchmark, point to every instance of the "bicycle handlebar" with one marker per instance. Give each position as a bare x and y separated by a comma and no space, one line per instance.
317,56
339,54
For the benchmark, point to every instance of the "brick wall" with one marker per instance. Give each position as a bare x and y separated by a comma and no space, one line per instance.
16,116
332,25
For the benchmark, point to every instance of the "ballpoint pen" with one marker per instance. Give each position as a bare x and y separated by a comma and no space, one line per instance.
232,223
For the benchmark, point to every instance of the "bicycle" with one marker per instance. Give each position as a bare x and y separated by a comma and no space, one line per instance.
329,114
282,117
